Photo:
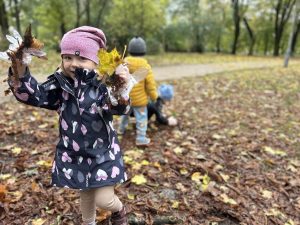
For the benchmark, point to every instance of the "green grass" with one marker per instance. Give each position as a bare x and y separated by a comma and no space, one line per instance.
48,66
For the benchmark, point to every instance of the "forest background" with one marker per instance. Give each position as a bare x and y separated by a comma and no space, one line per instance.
253,27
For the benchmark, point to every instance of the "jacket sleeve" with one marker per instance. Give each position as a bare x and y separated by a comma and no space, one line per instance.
122,108
29,92
150,86
153,108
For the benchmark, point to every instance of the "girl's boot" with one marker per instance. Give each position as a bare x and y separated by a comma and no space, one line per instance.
119,218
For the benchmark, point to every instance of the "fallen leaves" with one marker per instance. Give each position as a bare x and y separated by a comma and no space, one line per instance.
233,158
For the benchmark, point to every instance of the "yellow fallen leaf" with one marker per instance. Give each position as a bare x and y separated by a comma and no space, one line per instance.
266,194
292,168
274,151
217,136
178,150
136,166
145,163
42,126
130,196
196,177
47,163
5,176
175,204
290,222
205,182
183,171
17,195
139,179
180,186
228,200
225,177
39,221
16,150
127,159
275,212
157,165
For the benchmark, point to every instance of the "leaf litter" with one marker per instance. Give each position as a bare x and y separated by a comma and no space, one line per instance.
234,158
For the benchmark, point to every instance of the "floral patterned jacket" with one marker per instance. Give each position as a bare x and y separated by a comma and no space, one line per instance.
88,153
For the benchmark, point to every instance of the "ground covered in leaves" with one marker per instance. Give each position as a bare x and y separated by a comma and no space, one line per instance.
234,158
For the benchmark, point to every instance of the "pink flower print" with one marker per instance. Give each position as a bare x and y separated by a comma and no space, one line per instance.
81,111
74,124
93,109
65,140
68,173
82,97
98,143
53,167
27,84
65,95
22,96
80,160
115,146
115,172
82,83
75,83
75,146
64,125
83,129
101,175
65,157
89,161
105,107
111,155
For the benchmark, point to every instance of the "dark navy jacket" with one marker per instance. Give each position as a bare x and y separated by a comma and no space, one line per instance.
88,153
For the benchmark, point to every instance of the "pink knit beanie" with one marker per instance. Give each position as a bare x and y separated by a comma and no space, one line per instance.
83,41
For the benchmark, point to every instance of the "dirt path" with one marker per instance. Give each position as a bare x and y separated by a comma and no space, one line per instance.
179,71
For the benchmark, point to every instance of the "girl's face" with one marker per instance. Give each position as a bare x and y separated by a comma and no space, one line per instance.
71,62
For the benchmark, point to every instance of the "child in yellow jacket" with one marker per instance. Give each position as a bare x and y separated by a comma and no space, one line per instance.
141,92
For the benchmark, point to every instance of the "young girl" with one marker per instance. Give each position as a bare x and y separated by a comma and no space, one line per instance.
87,155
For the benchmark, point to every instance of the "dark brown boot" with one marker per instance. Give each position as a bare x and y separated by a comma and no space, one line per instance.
119,218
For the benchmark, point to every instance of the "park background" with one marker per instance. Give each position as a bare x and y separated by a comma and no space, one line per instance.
234,156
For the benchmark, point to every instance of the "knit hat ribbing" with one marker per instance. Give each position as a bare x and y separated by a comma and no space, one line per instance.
83,41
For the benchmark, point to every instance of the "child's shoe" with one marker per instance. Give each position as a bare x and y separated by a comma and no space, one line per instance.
143,142
119,218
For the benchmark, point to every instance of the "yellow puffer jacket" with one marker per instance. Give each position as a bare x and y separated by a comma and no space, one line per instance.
146,87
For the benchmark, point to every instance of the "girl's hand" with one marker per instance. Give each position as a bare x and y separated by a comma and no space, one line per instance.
18,67
123,72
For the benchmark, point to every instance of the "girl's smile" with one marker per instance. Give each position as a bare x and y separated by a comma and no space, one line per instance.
72,62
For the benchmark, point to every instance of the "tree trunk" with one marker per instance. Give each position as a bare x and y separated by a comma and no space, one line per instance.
266,42
283,11
103,4
295,37
3,19
17,15
251,36
218,43
77,13
292,34
88,13
236,19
